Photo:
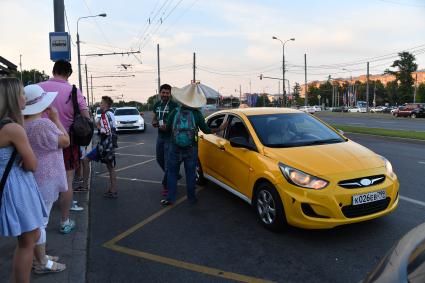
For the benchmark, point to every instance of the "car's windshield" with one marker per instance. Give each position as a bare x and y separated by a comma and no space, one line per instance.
291,130
122,112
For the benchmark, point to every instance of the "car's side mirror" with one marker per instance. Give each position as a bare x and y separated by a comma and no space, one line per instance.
141,114
240,142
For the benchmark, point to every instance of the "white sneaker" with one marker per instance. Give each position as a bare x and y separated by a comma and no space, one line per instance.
75,207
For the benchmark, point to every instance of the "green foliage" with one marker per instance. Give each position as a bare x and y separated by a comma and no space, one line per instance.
263,101
32,76
406,66
420,94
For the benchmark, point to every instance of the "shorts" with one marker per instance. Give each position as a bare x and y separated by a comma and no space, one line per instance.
71,157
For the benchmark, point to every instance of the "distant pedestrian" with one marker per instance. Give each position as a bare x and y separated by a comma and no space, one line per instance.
105,149
184,123
22,208
62,70
161,111
47,138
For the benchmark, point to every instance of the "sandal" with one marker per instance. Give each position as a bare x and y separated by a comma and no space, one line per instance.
48,257
110,194
50,267
81,189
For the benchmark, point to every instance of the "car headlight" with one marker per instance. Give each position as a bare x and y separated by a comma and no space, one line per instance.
140,121
302,179
389,167
118,122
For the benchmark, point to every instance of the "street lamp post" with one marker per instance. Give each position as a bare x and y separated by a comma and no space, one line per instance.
283,65
78,47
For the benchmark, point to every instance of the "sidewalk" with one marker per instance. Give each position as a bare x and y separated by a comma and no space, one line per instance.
71,248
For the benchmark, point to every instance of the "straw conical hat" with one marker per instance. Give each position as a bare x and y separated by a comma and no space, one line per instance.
191,96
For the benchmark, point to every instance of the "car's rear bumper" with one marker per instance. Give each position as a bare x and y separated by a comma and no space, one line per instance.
320,210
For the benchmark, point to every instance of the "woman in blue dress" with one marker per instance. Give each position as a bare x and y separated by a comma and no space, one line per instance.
21,207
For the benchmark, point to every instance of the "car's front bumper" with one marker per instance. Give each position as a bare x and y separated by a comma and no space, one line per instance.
130,127
327,208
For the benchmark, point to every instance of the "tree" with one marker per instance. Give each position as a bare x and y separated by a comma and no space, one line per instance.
296,94
406,66
420,94
263,101
32,76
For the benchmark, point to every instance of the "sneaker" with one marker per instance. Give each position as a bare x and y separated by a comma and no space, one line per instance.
74,202
165,202
75,207
67,227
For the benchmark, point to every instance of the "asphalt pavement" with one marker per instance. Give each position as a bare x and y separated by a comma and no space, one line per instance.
134,239
373,120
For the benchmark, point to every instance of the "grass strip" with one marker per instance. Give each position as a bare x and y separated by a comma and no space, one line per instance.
381,132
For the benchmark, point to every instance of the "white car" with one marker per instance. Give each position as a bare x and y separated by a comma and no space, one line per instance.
317,108
307,109
357,109
129,119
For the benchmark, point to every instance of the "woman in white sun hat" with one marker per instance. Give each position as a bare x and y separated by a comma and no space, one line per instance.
47,138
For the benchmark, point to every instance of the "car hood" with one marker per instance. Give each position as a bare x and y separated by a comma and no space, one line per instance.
128,118
327,159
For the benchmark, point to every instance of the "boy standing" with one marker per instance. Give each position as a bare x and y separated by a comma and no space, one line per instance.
105,149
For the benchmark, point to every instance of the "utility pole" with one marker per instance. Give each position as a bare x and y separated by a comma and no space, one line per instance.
374,94
240,94
87,86
91,86
194,67
59,15
159,77
416,87
20,65
305,81
367,88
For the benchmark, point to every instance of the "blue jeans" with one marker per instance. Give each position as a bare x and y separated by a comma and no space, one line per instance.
177,155
162,148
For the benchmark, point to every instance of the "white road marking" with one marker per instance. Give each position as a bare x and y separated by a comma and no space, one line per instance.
130,145
356,123
382,122
418,202
141,180
128,167
421,162
139,155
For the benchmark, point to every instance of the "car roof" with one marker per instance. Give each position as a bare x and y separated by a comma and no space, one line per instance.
261,111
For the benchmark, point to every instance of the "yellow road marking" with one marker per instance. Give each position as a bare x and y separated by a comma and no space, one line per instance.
186,265
112,245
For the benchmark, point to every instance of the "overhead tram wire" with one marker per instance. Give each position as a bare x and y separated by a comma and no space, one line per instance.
173,25
140,33
67,24
161,24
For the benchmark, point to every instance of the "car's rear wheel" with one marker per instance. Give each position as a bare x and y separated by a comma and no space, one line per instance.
269,207
200,179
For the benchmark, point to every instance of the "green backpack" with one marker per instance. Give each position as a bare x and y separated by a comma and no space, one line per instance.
184,128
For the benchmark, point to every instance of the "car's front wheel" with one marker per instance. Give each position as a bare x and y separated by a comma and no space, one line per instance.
269,207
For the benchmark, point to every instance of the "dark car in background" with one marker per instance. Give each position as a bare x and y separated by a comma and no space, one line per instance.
418,113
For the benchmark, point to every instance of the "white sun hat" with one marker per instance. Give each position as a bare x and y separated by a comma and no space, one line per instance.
191,95
37,100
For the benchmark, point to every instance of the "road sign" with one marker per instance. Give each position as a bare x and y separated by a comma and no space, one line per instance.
60,46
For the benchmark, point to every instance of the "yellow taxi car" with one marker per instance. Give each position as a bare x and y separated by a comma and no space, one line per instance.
295,169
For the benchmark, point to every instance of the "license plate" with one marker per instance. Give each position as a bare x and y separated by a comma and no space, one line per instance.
369,197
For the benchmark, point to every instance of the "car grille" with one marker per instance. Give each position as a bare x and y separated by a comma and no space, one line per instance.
128,122
352,211
362,182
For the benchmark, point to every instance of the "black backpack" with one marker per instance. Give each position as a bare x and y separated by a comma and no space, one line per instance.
82,128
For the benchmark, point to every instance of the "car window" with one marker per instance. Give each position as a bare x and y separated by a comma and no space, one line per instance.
237,128
291,130
122,112
215,122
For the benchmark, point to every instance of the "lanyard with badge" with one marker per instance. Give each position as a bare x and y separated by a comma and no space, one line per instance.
161,121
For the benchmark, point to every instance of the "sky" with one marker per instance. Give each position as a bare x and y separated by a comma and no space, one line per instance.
232,40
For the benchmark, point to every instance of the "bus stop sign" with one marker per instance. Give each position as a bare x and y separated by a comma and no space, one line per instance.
60,46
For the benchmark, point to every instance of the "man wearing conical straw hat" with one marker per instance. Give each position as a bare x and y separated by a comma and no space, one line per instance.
184,123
